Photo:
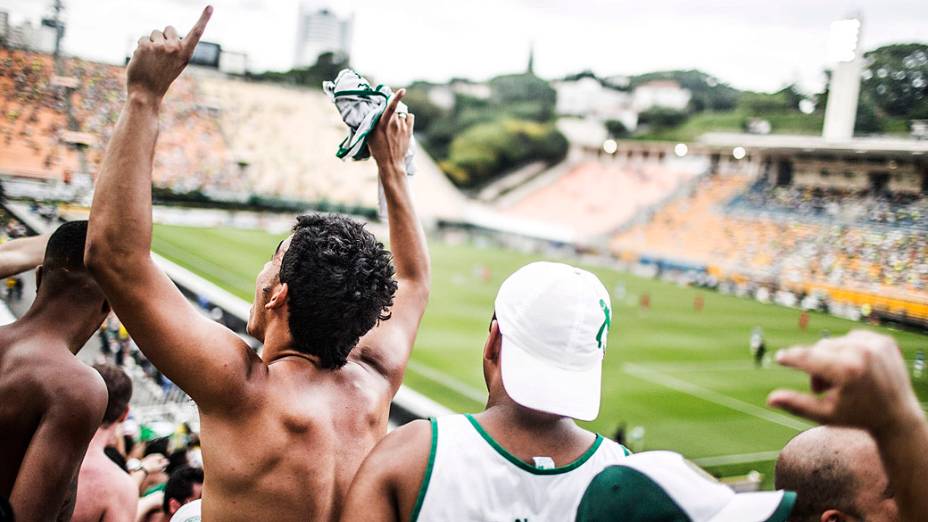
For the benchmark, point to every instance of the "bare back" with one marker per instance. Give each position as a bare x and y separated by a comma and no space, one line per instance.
104,492
51,407
294,451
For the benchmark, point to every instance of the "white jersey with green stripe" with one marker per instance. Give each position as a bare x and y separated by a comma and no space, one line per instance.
472,477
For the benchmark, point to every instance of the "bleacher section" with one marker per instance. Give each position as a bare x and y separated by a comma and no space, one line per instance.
833,205
596,196
32,114
285,140
788,243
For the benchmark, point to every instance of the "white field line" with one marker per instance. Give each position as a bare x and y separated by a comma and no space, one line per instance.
744,458
709,366
706,394
461,388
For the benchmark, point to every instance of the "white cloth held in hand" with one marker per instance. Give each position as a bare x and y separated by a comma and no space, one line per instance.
361,106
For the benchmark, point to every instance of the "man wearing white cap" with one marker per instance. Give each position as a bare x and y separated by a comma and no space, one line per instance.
523,458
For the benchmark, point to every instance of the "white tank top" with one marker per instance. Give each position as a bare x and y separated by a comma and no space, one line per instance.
471,477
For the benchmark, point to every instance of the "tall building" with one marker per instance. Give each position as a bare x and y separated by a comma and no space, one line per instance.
321,31
844,87
4,26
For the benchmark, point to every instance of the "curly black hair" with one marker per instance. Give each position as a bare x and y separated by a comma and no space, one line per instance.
340,281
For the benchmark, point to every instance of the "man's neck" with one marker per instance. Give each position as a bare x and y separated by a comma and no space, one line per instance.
526,420
101,439
528,433
278,344
66,317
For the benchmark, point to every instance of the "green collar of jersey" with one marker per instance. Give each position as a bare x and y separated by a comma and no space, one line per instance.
527,467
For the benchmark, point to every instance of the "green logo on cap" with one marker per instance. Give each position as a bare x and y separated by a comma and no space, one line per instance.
607,322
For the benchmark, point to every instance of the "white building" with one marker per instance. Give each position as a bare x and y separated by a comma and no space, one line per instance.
30,37
588,98
4,25
321,31
666,94
232,62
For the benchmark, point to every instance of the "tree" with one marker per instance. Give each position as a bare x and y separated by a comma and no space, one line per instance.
485,151
708,92
616,128
896,77
327,67
520,89
662,117
761,103
427,113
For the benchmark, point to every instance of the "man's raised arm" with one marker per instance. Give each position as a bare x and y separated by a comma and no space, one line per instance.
19,255
388,345
203,358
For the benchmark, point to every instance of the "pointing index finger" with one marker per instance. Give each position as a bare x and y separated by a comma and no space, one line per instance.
193,37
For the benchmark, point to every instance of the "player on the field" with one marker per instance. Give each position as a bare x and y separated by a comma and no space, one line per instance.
758,346
523,458
283,434
50,403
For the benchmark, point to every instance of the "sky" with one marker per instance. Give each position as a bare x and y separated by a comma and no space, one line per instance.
751,44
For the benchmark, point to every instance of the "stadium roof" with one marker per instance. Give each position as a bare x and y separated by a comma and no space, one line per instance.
800,143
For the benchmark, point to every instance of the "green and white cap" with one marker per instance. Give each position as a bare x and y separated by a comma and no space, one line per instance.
662,486
554,320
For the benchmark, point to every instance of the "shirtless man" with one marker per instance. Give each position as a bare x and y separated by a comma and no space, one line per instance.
52,403
284,433
106,493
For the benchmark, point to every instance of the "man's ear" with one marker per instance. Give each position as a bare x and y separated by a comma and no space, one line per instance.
494,341
38,277
278,298
124,416
833,515
173,505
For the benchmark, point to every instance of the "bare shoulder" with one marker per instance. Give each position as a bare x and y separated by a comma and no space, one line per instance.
403,448
75,392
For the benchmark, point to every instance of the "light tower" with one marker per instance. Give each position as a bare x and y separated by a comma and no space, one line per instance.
844,87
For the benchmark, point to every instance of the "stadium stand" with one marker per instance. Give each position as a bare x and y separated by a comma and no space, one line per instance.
596,196
906,210
284,139
225,137
794,238
33,115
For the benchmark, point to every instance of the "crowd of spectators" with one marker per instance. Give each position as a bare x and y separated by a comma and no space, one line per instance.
783,245
32,114
228,138
902,210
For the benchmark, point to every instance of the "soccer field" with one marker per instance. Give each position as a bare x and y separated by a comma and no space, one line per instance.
685,376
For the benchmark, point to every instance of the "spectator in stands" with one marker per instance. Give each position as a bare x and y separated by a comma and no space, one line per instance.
838,476
861,381
62,400
285,432
104,490
523,458
184,486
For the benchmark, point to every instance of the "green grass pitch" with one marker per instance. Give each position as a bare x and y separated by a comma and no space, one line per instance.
685,376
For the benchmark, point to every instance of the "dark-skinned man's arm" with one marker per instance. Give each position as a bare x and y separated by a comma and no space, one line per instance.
386,348
46,482
206,360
